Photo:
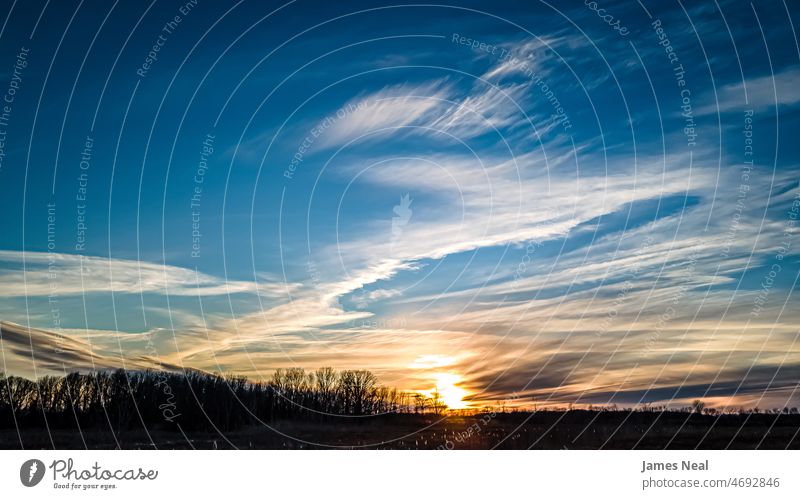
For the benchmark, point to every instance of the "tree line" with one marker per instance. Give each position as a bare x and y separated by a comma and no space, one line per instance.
192,400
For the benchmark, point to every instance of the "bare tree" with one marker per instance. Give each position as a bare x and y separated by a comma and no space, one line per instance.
420,403
437,403
358,388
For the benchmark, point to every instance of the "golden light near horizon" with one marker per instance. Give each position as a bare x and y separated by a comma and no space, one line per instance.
446,384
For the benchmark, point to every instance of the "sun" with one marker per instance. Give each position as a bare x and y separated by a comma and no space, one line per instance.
452,395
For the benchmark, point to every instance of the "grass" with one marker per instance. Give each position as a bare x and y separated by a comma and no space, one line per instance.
577,429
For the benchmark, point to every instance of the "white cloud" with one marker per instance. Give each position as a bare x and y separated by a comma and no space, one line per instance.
67,274
426,108
762,93
529,56
389,108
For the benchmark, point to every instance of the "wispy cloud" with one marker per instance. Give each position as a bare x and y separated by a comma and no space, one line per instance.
533,54
387,109
30,351
428,108
759,94
68,274
523,259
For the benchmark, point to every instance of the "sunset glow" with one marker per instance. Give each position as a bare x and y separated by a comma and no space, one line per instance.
457,205
446,384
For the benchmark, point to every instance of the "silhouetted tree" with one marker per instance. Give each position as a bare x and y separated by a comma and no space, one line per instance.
437,404
125,400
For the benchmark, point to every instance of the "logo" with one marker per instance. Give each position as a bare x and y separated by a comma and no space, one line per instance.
31,472
403,215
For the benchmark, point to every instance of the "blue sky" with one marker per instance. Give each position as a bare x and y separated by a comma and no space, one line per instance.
506,196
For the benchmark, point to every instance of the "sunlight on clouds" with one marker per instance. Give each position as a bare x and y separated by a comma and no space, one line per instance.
432,361
595,317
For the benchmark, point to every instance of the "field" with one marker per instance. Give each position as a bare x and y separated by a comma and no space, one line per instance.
577,429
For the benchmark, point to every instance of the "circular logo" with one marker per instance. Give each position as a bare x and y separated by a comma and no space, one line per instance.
31,472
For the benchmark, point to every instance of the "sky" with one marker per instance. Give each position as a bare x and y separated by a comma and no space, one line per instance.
515,202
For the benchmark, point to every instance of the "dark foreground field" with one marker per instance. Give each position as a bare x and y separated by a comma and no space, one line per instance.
543,430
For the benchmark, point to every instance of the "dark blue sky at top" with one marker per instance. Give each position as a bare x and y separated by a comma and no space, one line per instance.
172,110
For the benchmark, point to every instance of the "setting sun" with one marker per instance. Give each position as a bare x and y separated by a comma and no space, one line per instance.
451,394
